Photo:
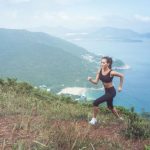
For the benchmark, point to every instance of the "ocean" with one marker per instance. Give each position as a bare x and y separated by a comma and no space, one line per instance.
136,90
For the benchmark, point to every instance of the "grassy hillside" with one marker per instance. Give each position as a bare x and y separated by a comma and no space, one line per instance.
43,59
38,120
40,58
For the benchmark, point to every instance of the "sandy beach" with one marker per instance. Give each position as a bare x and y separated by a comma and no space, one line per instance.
73,91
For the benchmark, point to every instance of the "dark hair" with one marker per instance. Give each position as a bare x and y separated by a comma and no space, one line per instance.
109,60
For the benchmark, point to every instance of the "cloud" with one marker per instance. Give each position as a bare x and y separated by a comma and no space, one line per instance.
66,19
8,15
73,14
142,18
69,2
14,1
19,1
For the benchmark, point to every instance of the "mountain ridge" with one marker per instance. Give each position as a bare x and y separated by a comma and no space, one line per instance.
41,59
104,33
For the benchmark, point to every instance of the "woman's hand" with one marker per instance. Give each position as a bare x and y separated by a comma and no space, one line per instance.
119,89
89,78
94,81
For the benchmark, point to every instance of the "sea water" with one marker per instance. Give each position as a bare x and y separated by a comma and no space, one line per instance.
136,86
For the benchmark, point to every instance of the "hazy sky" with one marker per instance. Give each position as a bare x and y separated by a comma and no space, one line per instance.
75,14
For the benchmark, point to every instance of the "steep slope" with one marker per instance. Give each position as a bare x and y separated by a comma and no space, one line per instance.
40,58
43,59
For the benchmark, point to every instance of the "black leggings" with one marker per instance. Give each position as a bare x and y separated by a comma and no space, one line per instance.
110,93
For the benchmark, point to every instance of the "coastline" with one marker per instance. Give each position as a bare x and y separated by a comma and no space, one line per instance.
88,93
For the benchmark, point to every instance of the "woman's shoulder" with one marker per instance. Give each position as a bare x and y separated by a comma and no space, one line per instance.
112,72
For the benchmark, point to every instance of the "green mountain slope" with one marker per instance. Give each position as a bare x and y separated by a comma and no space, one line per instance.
40,58
43,59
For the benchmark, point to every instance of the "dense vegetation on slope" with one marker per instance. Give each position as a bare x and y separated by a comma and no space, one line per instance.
35,119
43,59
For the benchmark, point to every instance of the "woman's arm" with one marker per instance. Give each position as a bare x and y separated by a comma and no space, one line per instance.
114,73
96,80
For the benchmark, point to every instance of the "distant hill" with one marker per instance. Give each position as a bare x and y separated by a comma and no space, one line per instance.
43,59
103,33
118,34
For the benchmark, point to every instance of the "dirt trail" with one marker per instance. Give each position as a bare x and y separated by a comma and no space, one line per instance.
11,131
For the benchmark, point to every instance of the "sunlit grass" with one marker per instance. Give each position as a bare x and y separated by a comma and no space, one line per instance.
42,120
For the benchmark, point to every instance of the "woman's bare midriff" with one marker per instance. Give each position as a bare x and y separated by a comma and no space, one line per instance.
108,85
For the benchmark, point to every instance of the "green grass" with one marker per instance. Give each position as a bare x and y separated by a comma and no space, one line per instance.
46,121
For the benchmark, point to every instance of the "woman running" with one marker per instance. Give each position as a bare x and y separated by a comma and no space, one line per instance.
106,74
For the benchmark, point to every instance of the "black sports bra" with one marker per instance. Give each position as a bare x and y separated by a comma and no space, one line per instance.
105,78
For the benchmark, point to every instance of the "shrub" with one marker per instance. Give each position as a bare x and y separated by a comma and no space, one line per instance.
137,127
147,147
